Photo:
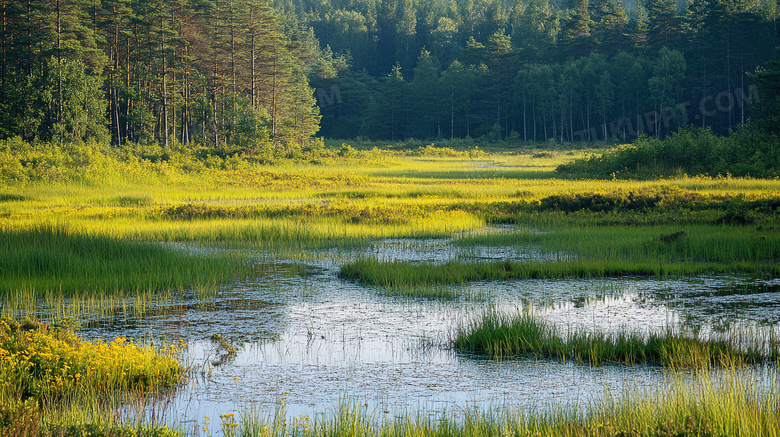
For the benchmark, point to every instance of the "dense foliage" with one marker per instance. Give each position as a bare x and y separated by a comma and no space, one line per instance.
214,71
239,71
694,151
535,69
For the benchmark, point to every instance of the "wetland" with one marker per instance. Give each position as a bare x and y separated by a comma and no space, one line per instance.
329,298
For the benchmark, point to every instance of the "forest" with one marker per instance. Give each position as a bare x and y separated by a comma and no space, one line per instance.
252,72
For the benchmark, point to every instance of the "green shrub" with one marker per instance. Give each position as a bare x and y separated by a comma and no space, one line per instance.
692,151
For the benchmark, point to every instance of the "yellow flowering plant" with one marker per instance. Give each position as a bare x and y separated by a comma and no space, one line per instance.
40,362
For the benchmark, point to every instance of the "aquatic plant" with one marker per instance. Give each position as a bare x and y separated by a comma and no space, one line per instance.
713,406
49,258
398,275
498,336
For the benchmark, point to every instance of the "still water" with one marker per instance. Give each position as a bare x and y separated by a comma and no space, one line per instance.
303,335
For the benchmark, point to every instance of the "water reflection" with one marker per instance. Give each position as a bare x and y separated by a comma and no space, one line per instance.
304,335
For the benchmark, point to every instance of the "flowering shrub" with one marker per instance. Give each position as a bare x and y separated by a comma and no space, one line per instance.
39,362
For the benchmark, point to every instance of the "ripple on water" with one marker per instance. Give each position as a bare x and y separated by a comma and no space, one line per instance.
311,338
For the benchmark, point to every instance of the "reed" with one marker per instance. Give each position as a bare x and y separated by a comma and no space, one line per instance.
711,406
402,274
55,259
434,293
752,247
499,336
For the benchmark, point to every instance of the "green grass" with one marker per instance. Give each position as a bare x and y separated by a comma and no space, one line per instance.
402,274
727,406
500,336
717,244
9,197
56,259
434,293
581,247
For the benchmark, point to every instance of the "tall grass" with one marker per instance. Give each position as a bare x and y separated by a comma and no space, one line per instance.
48,258
727,245
498,336
403,274
711,406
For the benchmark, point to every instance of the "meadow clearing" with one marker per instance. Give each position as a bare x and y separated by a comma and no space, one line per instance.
382,291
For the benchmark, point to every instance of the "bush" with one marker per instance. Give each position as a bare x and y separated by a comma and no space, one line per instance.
43,363
691,151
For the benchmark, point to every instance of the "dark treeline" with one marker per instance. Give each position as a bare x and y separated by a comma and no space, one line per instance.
245,71
532,70
209,71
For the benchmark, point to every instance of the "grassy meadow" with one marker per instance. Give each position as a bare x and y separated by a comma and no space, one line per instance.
337,200
142,222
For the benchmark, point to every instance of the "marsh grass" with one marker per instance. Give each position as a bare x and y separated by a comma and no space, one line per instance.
56,259
583,250
349,201
433,293
722,405
11,197
81,416
407,275
76,311
722,244
500,336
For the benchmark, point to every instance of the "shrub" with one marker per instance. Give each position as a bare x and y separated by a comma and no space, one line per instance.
43,363
693,151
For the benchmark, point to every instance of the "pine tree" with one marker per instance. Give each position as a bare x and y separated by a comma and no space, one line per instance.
426,106
576,38
664,25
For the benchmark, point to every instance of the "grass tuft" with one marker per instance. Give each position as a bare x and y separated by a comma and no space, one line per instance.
8,197
500,336
405,275
727,407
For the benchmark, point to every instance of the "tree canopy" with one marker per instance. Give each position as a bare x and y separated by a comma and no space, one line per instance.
254,71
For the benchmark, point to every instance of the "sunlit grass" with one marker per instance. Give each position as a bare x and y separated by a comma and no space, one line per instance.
725,405
298,207
46,258
737,246
501,336
407,275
